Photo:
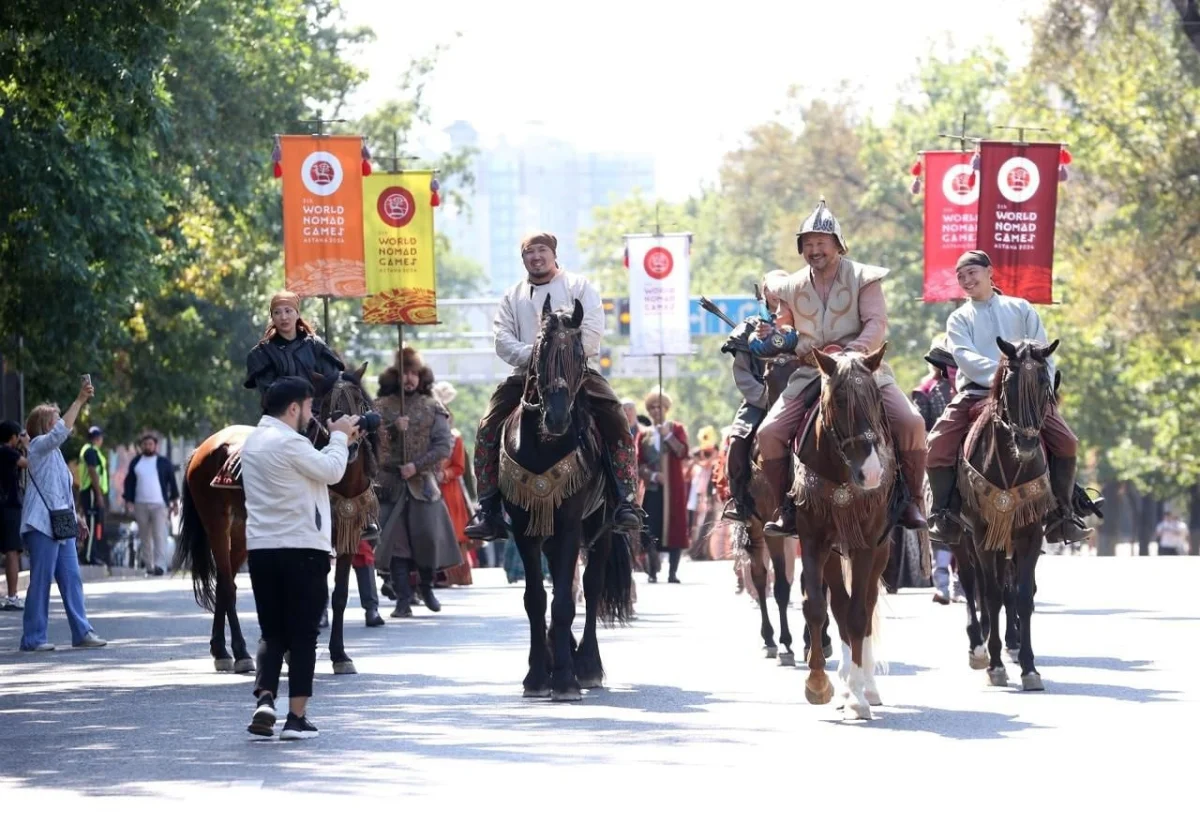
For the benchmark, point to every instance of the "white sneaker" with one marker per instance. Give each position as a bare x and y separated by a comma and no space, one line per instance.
44,647
90,640
13,603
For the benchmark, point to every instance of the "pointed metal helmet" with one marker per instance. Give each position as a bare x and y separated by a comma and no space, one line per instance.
823,222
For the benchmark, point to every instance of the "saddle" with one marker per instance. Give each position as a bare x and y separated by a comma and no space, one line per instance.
229,477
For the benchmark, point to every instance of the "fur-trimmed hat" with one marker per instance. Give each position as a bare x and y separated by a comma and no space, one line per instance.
410,360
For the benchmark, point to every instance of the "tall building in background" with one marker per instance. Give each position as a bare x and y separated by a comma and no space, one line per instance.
539,183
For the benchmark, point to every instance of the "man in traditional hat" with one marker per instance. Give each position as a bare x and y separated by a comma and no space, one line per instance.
417,533
931,397
516,327
289,347
972,330
832,304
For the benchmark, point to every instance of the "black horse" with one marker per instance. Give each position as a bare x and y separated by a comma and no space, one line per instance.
1005,487
558,499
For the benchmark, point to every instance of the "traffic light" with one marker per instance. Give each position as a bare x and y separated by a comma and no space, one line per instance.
623,317
606,361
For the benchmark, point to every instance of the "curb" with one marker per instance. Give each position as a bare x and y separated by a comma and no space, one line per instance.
90,573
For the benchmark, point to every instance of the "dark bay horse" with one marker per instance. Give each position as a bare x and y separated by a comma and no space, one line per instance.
212,536
557,498
762,549
1005,487
845,473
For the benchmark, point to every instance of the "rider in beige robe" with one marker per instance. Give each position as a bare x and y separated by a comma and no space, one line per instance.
833,303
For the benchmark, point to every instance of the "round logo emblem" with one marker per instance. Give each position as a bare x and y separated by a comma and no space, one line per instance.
956,185
321,173
658,263
396,206
1018,179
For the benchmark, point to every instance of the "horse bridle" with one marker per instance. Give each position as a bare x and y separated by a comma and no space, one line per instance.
1001,413
560,382
840,442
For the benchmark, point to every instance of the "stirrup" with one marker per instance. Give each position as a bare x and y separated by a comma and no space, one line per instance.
783,525
944,528
733,512
627,518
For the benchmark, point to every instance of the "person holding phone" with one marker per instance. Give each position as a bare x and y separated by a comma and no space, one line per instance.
50,526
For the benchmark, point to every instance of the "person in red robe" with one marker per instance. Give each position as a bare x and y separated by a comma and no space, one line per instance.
661,454
450,479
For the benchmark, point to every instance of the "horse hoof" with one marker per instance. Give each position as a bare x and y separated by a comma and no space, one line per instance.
591,683
787,659
1032,681
223,665
997,676
243,666
771,651
572,694
1014,655
979,658
344,668
822,697
856,710
536,693
872,697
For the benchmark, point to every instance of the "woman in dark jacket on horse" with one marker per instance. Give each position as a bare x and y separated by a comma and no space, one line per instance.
289,347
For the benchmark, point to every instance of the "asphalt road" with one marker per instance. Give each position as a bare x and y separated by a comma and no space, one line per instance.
693,721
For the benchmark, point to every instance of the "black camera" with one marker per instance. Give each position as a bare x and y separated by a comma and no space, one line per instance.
368,422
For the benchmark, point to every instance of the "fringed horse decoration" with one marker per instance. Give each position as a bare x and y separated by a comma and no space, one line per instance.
558,500
212,536
845,473
1006,493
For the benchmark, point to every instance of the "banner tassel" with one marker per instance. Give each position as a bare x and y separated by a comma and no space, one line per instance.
916,186
366,159
277,157
434,198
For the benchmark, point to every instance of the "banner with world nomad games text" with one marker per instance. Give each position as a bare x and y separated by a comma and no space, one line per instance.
1018,204
322,215
951,214
398,241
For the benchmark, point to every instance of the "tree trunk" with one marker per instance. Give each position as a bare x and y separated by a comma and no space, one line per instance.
1148,519
1109,532
1189,13
1194,517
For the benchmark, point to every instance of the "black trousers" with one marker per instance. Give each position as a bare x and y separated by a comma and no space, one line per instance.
290,591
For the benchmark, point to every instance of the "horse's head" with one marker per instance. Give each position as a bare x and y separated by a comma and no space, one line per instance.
1022,393
558,366
852,414
342,393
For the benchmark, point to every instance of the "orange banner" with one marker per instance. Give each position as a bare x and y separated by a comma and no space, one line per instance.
322,215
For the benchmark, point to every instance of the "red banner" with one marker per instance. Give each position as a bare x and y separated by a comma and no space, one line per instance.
951,212
1018,203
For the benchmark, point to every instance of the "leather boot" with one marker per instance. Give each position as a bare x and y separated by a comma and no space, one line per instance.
943,526
784,523
1062,525
912,465
488,523
737,468
427,594
403,589
368,596
734,511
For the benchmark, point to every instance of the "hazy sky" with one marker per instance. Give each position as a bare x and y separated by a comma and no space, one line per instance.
662,76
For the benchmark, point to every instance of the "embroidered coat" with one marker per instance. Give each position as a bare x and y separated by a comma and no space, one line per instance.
672,522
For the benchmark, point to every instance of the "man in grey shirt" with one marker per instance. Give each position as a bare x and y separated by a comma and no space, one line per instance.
972,330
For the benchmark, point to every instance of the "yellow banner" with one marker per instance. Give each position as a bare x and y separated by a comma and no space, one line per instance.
398,246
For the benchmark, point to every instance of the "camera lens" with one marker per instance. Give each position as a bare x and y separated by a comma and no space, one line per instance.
369,421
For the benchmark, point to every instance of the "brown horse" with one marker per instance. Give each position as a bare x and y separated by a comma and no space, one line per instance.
844,478
212,536
762,549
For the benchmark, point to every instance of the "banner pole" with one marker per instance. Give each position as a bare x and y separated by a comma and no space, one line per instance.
326,330
400,364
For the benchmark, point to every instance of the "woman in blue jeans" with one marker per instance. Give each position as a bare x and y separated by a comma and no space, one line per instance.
50,559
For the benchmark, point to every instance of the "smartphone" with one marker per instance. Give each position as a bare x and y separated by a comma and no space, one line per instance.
87,378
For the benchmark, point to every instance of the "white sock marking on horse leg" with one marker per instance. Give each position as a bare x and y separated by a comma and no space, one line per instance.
870,689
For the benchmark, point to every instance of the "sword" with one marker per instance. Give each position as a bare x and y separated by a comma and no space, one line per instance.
716,310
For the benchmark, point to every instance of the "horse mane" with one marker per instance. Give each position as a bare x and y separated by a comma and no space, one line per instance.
563,362
1032,396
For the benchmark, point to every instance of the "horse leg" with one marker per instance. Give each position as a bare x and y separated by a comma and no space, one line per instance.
537,681
565,687
342,664
1012,620
588,667
870,646
758,577
223,662
963,553
1026,569
243,661
991,564
817,688
783,597
862,565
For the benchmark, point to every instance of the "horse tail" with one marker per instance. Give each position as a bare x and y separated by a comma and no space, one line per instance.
195,551
616,594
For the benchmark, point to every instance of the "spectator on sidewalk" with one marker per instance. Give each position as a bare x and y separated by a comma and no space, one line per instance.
1172,535
49,528
151,492
288,536
13,443
93,496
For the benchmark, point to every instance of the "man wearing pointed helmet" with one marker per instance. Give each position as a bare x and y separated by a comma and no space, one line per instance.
832,304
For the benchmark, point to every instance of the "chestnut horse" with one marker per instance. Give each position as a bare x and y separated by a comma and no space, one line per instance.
845,475
212,536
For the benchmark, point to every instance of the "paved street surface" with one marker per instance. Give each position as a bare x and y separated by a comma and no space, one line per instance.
694,720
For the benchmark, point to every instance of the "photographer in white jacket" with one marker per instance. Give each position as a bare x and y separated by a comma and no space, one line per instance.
286,483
